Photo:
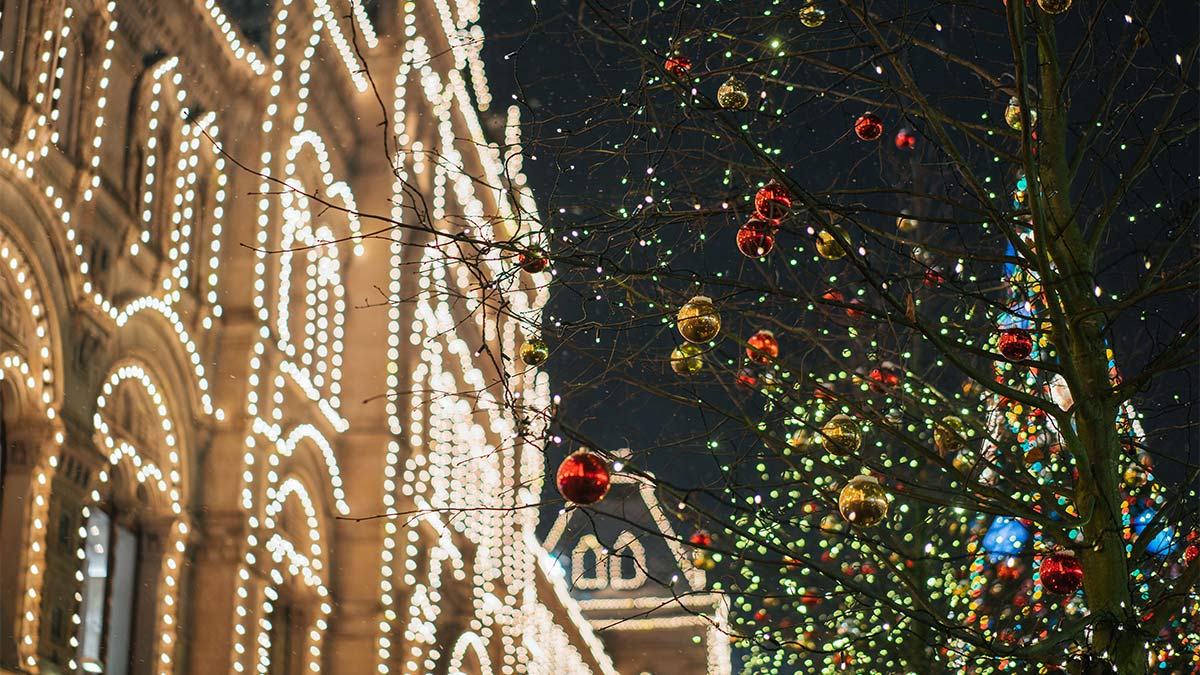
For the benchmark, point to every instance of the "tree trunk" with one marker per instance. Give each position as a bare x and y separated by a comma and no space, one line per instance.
1080,341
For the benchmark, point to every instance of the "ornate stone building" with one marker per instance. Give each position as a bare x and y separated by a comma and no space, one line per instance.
206,367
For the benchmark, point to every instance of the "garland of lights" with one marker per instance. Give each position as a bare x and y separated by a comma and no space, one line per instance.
179,165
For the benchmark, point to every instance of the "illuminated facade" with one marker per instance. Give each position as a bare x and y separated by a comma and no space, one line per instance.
187,420
640,585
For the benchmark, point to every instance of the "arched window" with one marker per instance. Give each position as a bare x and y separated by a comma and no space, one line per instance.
286,633
68,97
627,565
589,565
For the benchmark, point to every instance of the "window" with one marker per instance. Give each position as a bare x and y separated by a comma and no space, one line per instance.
12,26
110,565
588,564
628,563
285,645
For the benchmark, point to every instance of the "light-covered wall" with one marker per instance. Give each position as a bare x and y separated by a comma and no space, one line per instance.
237,407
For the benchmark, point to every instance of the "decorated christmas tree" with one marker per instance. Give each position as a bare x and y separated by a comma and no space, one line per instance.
897,301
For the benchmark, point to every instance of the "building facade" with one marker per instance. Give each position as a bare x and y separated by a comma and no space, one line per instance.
215,366
641,584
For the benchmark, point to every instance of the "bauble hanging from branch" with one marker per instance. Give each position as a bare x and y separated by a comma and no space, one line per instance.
1015,344
733,95
583,478
1061,573
679,66
698,320
868,127
687,359
534,352
863,501
842,435
762,347
533,260
772,202
756,238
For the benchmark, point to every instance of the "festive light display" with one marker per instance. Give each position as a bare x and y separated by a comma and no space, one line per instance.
158,321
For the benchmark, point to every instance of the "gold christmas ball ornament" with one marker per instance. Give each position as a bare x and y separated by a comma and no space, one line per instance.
733,95
950,435
1054,6
828,247
687,359
907,224
534,352
812,15
1012,114
863,501
698,320
842,435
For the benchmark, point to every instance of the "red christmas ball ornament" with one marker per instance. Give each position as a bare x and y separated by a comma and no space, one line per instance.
746,379
1016,344
772,202
583,478
855,314
869,127
1191,553
833,296
883,378
679,66
905,139
1061,573
700,538
762,347
756,238
934,277
533,261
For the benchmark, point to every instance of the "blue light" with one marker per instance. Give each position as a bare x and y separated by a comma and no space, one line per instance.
1163,543
1005,538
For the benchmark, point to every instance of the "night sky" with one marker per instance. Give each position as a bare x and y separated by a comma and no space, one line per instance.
566,81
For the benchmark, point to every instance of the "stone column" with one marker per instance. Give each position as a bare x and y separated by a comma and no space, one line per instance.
30,445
